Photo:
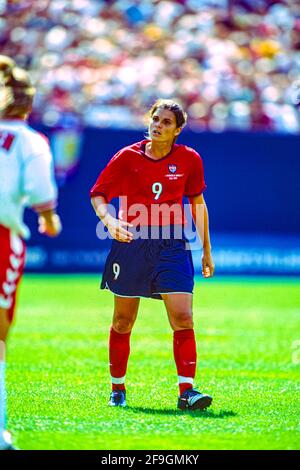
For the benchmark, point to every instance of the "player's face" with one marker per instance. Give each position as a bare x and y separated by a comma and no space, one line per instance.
162,126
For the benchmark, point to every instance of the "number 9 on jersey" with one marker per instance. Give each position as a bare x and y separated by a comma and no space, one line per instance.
157,190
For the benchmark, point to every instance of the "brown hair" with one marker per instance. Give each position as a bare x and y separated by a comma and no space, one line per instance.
180,115
16,90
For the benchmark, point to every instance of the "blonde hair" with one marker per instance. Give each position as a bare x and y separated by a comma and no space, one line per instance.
16,90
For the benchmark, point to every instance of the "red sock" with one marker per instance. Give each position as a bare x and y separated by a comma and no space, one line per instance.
119,349
185,356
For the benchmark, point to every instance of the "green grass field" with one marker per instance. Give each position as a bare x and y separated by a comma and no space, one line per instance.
58,379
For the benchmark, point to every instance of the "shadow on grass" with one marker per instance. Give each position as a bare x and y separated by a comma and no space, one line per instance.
222,414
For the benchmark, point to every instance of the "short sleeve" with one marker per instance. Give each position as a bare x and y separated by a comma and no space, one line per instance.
109,182
39,186
195,183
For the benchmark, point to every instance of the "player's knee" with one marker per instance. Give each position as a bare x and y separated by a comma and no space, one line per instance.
5,323
183,320
122,324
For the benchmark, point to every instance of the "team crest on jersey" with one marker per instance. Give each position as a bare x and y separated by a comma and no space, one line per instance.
173,175
172,168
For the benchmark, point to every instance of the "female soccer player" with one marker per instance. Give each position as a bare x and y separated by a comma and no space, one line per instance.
149,256
26,179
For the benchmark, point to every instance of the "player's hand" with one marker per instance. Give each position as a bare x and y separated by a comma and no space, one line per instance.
49,224
208,267
118,229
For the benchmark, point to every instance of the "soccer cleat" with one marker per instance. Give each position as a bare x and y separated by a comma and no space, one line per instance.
117,398
6,443
8,447
191,399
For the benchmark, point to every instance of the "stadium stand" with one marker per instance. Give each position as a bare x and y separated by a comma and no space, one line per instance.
232,63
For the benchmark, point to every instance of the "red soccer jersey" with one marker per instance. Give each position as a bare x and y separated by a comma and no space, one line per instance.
151,190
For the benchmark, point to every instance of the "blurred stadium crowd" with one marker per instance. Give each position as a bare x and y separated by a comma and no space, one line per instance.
233,64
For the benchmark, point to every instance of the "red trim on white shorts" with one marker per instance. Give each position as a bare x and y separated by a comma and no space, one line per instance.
12,260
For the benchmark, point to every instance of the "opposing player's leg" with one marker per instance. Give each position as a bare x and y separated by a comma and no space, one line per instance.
12,258
125,313
4,324
5,438
180,314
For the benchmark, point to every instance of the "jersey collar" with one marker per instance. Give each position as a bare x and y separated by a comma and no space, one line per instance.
142,149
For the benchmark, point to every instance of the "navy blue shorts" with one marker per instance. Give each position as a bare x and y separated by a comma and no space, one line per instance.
148,268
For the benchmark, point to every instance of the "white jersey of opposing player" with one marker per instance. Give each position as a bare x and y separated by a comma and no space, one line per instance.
26,174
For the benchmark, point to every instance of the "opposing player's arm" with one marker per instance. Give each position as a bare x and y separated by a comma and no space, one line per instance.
116,227
201,219
39,187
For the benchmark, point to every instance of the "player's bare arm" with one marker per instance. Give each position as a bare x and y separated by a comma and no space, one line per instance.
116,227
200,216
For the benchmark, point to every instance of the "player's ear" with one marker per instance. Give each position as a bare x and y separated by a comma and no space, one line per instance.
178,130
